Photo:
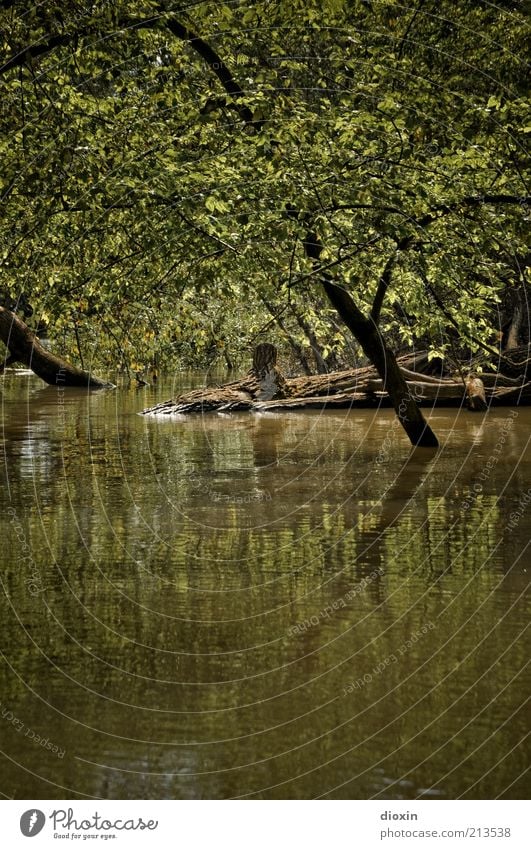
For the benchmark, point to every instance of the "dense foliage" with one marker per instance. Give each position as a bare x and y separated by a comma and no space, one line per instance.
163,164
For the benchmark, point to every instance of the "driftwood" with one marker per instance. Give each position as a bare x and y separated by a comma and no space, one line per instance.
264,388
25,348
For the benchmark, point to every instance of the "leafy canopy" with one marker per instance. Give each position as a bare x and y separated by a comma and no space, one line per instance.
163,163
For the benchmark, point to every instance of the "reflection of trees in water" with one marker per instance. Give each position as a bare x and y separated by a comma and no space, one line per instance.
266,435
175,610
161,493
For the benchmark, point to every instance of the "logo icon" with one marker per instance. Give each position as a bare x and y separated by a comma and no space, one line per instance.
32,822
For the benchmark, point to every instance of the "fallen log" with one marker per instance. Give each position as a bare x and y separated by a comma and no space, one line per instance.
25,348
318,402
265,389
424,391
425,378
518,396
204,401
497,381
420,363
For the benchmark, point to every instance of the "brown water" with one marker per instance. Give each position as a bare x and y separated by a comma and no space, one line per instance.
289,606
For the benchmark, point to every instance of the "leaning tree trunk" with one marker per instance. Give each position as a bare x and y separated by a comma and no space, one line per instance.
25,348
384,361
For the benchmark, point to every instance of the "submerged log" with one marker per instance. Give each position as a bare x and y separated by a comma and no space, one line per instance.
25,348
222,399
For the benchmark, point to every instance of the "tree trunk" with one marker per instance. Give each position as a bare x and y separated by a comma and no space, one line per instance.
25,348
294,345
271,381
320,363
384,361
369,337
514,329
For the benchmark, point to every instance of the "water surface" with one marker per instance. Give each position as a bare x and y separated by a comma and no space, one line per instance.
280,605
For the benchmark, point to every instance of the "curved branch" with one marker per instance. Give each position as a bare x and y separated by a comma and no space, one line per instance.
472,201
178,29
441,209
215,63
383,286
209,56
24,347
35,50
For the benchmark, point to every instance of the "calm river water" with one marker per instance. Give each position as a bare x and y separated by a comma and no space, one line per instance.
281,605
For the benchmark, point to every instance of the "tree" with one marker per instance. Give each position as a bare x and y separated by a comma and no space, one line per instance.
155,156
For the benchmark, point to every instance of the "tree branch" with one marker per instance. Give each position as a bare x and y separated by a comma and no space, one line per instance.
216,64
383,286
35,50
179,30
385,279
441,209
439,302
473,201
408,28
